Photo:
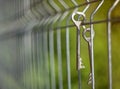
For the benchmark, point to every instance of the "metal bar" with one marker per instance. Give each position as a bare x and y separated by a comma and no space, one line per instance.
59,59
78,57
28,55
32,60
116,20
52,63
92,42
109,43
35,58
41,58
68,58
45,54
22,45
24,58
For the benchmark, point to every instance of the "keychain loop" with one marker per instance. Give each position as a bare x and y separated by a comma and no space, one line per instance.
78,22
86,37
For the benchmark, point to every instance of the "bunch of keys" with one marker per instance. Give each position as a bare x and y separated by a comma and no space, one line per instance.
88,39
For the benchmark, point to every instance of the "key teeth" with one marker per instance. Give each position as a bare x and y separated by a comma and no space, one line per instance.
90,79
89,82
80,65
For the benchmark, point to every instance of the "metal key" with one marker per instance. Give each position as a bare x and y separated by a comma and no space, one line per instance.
79,64
88,39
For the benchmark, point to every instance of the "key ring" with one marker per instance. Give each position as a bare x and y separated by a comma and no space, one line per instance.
86,37
78,22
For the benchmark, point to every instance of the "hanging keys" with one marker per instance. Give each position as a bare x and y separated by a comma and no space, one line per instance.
88,39
79,64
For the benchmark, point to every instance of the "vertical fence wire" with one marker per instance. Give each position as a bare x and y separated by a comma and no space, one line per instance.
59,59
41,58
68,58
110,43
45,46
52,62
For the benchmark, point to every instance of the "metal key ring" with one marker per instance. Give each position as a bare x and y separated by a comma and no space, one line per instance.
78,22
84,34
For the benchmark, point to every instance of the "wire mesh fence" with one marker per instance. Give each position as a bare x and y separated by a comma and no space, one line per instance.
59,44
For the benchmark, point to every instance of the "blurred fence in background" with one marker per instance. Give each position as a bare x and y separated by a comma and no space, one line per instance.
43,41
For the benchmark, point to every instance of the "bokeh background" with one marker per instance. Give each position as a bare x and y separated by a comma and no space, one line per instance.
22,44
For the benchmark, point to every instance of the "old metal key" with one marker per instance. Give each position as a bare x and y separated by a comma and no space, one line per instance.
79,64
88,39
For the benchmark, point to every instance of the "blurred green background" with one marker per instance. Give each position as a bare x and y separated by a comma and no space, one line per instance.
22,57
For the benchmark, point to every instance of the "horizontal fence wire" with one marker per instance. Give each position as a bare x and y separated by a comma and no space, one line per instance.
117,20
14,33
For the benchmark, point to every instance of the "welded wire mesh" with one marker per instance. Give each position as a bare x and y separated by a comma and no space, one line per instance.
40,45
